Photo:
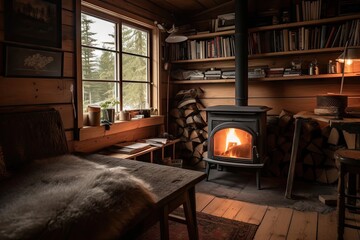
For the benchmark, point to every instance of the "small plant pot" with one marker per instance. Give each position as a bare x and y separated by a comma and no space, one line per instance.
108,114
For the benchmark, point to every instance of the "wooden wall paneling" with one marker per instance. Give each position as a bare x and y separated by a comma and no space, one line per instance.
130,11
68,68
28,91
69,135
67,17
68,38
95,144
94,132
68,4
147,6
67,115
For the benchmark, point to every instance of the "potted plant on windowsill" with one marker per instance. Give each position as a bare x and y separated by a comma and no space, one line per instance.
108,109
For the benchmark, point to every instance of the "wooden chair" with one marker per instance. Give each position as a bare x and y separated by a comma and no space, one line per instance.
349,161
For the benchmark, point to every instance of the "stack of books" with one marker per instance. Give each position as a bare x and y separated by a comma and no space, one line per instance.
228,73
257,72
196,75
275,72
288,72
212,74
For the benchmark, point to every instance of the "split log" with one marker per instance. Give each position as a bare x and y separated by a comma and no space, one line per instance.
176,113
185,102
350,139
189,146
334,137
181,122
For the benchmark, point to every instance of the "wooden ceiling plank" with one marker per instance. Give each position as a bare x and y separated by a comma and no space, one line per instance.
152,7
208,3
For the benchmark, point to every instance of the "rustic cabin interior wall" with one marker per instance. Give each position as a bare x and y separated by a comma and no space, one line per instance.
32,91
293,94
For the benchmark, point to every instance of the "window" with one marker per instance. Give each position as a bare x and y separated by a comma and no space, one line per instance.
115,62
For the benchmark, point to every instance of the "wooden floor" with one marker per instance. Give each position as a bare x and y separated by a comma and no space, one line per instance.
277,222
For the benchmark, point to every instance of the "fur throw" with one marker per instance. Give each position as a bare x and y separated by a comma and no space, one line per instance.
67,197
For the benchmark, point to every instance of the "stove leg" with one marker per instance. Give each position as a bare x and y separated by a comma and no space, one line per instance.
207,171
258,174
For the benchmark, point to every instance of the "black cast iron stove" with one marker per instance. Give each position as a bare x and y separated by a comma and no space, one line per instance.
237,134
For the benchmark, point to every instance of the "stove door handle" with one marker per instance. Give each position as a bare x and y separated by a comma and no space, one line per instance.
256,153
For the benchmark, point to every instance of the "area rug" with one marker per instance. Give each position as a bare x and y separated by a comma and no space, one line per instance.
209,227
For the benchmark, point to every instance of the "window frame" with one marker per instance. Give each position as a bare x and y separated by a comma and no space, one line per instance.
118,81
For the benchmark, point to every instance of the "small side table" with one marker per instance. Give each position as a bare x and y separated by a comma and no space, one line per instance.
351,125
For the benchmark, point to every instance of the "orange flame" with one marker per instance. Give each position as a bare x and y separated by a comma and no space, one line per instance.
231,139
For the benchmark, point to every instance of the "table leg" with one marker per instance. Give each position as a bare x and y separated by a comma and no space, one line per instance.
190,214
295,146
164,223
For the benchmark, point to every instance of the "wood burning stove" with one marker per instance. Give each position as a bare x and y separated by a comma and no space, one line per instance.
237,136
238,133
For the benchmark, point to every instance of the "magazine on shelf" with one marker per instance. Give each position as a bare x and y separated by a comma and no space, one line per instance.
158,142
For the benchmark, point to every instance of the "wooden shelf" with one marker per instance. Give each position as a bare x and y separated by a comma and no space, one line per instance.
278,26
302,77
205,60
265,55
306,23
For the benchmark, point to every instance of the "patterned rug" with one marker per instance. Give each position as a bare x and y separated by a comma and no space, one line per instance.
210,228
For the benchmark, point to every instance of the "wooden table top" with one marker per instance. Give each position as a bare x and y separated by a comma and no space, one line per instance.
166,181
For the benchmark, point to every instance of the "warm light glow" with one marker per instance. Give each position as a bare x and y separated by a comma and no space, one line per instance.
231,139
347,61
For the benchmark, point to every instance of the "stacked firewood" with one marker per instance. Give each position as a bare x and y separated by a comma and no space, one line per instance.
190,126
315,160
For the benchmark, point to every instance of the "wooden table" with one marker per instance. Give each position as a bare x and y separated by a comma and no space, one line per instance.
351,125
172,186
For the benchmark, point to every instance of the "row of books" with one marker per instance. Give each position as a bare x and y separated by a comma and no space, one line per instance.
222,46
293,39
307,10
253,72
305,38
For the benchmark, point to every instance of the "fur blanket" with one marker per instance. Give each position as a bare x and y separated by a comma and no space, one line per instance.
67,197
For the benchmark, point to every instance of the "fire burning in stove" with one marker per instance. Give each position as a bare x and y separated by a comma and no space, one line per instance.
233,143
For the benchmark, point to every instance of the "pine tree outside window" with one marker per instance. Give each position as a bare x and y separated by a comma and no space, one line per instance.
115,63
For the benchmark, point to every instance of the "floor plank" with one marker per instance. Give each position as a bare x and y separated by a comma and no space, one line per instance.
202,200
275,224
251,213
303,225
233,209
278,223
327,226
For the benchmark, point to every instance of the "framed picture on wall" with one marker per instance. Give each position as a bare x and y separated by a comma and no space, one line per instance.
35,22
26,62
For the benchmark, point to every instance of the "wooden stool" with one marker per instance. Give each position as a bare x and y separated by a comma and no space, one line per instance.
349,161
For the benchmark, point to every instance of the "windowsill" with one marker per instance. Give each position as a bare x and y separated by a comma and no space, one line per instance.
89,132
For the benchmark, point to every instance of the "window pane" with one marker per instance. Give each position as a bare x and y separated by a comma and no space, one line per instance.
98,64
97,92
134,41
96,32
134,68
135,95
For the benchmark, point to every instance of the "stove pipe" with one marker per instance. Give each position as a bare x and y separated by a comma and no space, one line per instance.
241,53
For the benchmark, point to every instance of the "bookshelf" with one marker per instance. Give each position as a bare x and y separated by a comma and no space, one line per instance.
302,77
325,40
